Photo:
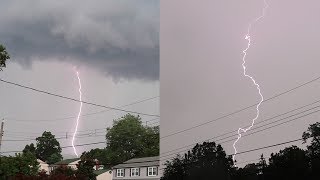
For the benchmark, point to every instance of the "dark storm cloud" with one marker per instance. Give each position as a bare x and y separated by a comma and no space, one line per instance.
118,37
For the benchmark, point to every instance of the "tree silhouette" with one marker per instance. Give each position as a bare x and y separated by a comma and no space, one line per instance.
290,163
314,148
204,161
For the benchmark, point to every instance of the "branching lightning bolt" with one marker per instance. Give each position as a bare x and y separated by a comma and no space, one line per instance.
78,117
248,38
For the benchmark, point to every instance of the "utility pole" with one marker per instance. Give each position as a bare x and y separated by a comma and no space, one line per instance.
1,134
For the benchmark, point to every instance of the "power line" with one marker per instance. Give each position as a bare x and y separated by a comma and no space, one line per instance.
243,135
63,132
265,120
273,126
91,133
76,100
270,146
260,148
249,133
87,144
256,149
77,145
60,138
243,109
257,127
231,136
87,114
152,119
243,152
154,123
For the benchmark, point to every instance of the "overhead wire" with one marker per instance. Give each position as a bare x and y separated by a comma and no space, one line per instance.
251,133
76,100
82,115
240,110
265,120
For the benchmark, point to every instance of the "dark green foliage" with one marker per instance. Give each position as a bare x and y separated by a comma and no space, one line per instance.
29,148
48,148
85,168
53,158
101,155
25,164
4,56
128,138
63,170
204,161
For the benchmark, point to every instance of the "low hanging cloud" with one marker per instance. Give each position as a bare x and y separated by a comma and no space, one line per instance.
118,37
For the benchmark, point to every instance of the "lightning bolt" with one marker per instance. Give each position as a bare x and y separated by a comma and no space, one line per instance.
78,117
248,38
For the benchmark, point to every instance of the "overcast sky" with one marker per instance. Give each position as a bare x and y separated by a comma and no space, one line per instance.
201,72
115,46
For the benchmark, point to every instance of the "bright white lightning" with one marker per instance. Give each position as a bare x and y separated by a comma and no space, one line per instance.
78,117
248,38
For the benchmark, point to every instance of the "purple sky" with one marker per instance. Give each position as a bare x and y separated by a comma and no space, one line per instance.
201,73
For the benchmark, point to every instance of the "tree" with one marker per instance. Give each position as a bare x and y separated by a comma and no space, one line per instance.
102,155
21,164
85,168
249,172
204,161
29,148
128,138
48,148
290,163
252,171
63,172
314,148
151,141
53,158
4,56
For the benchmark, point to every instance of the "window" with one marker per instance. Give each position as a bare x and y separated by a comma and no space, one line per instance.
134,171
152,171
120,172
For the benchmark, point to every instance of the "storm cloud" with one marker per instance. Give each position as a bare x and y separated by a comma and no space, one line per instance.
119,38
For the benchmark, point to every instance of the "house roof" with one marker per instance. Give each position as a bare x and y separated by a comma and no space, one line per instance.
140,162
40,161
101,171
67,161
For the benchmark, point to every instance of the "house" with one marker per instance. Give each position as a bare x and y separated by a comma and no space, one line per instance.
103,174
67,162
73,164
138,169
43,166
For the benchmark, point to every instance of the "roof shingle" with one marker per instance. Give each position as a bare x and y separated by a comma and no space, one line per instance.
140,162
